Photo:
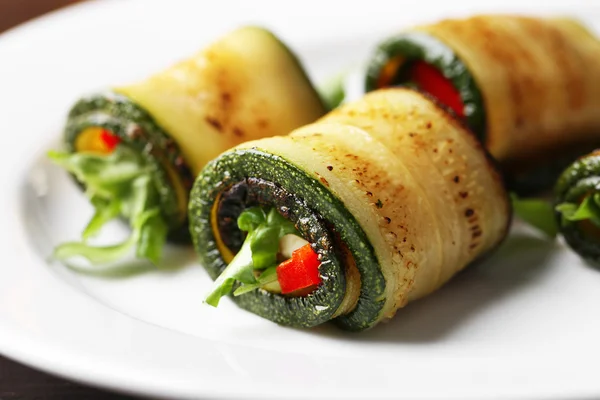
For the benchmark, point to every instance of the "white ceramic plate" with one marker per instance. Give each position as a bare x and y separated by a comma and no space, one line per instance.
524,324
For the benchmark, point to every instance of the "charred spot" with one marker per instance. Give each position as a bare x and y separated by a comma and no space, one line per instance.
469,212
519,121
284,211
404,239
412,134
179,161
476,234
388,220
412,248
238,132
170,144
463,195
370,194
330,167
456,179
379,204
225,97
322,179
136,132
357,181
262,123
214,123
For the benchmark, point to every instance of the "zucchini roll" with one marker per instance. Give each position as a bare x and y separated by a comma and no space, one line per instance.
525,86
577,197
378,203
136,149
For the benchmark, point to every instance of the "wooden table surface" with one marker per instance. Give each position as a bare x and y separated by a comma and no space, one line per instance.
18,382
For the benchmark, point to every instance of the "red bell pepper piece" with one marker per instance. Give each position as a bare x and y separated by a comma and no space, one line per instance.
432,81
299,272
110,141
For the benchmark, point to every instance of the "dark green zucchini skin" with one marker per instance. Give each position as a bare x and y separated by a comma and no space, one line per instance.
578,180
136,129
540,176
317,215
421,46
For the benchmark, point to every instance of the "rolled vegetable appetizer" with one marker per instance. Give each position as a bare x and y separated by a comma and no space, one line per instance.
525,86
577,198
137,148
378,203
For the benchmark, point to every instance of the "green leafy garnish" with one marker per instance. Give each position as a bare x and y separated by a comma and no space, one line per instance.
117,184
333,90
536,212
258,253
269,275
588,209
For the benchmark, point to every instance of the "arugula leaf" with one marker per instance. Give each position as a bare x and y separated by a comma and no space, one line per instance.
332,91
258,253
588,209
536,212
251,218
105,211
265,243
264,246
118,183
239,269
153,235
96,255
269,275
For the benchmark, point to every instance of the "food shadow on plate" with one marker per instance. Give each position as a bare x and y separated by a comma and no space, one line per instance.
176,258
517,264
50,200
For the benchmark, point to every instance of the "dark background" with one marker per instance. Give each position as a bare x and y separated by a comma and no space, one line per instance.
18,382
